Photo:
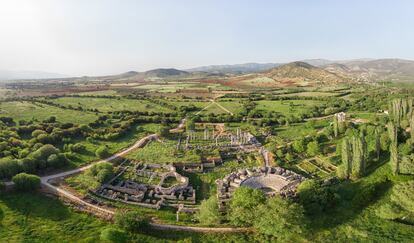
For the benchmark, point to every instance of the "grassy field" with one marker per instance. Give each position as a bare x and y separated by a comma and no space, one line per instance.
259,81
113,146
294,131
288,106
100,92
36,218
105,104
22,110
172,87
163,152
311,94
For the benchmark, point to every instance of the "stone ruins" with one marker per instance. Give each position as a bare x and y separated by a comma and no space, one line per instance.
164,187
271,180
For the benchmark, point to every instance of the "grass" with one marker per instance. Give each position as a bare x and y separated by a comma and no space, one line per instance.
97,93
106,105
287,107
351,223
164,152
295,131
22,110
114,146
311,94
33,217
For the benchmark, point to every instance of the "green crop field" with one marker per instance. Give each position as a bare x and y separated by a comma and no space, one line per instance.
22,110
310,94
98,93
287,106
164,152
106,104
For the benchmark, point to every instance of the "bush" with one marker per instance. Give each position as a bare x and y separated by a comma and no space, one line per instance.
102,152
280,218
78,148
243,205
8,168
56,160
316,198
313,148
131,221
113,235
209,213
1,215
26,182
102,171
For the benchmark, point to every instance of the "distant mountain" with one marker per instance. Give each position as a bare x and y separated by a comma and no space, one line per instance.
235,68
302,72
375,70
165,72
318,62
12,75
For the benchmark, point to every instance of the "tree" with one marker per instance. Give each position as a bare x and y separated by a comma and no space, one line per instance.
164,131
102,152
132,221
313,148
412,125
113,235
335,125
280,218
358,166
346,157
394,159
56,160
1,215
26,182
8,168
377,135
189,125
299,145
102,171
209,213
243,205
315,197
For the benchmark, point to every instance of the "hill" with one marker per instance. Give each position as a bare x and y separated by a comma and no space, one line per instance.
303,73
369,70
291,74
13,75
235,68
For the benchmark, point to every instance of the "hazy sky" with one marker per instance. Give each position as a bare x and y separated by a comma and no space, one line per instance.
79,37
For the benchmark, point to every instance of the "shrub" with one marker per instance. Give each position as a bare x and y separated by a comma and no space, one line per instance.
102,152
102,171
280,218
209,213
113,235
1,215
78,148
313,148
26,182
131,221
243,205
8,168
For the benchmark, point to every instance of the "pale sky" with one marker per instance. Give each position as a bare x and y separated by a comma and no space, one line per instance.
94,37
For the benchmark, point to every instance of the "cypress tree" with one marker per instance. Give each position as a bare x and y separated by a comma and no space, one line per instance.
392,130
412,125
357,157
377,135
346,156
335,126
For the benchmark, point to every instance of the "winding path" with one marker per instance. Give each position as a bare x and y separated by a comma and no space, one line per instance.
46,184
